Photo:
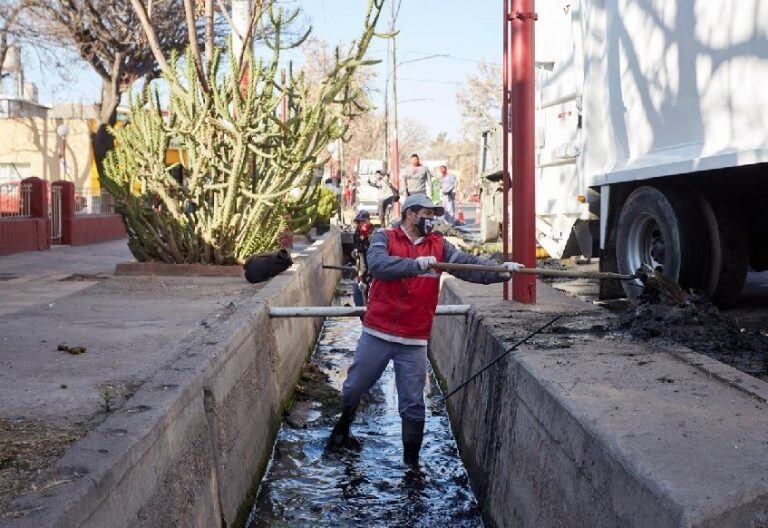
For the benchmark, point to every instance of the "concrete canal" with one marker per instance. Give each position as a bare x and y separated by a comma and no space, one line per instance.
307,486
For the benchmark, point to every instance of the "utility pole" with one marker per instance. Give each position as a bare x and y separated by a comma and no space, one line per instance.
385,168
395,141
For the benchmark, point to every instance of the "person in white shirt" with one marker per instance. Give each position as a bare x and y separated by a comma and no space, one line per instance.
387,195
448,183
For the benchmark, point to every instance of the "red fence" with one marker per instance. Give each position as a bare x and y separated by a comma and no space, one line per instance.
35,222
23,234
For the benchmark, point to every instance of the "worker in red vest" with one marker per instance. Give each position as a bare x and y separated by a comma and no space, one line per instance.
401,305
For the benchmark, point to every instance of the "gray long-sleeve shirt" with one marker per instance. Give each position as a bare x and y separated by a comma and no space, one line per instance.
386,267
416,179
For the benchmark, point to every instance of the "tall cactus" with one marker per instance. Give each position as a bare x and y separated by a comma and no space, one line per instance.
246,166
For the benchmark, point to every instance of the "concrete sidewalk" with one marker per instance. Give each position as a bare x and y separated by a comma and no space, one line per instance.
40,277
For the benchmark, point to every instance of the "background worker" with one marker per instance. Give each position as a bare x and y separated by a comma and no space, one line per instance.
362,241
448,183
401,305
417,178
387,195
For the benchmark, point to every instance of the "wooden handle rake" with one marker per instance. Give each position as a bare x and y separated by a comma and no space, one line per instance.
541,272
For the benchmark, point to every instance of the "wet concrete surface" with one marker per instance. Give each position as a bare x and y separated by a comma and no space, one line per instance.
307,486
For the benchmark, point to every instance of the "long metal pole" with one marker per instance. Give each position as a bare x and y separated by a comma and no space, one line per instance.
505,144
352,311
385,168
395,162
523,17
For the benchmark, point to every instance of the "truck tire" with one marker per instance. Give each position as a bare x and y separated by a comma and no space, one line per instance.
734,250
666,228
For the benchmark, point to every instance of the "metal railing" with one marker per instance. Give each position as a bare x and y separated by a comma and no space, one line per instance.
87,202
55,215
15,200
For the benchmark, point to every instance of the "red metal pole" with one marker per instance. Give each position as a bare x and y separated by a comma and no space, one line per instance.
522,17
505,143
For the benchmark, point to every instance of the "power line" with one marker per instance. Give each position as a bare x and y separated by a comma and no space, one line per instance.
454,57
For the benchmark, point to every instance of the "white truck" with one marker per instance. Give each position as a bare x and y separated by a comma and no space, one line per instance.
652,138
367,194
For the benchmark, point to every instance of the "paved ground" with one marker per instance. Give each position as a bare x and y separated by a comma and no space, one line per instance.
129,326
40,277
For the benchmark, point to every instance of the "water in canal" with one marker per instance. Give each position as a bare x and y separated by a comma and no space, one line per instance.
305,486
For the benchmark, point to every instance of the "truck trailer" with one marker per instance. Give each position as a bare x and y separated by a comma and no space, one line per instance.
651,139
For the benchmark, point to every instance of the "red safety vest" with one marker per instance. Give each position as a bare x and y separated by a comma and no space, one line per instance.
406,307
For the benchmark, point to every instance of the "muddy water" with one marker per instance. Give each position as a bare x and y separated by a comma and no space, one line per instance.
305,486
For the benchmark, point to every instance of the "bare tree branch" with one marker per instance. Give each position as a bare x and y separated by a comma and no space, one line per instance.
194,47
149,31
209,35
10,12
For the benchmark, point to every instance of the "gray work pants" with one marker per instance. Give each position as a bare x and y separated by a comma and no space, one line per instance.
371,358
449,204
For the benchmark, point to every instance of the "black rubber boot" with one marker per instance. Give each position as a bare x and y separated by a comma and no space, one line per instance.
413,435
341,437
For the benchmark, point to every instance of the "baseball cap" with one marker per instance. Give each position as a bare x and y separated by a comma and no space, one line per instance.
362,215
422,201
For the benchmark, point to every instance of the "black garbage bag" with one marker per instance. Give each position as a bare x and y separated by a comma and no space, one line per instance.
264,266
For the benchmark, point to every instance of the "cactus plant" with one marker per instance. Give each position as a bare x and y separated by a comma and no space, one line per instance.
251,139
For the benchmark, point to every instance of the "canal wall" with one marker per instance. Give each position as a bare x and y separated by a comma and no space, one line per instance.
581,428
192,443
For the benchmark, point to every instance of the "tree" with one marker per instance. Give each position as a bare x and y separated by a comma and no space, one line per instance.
108,36
11,23
246,165
365,140
413,138
460,156
364,137
480,101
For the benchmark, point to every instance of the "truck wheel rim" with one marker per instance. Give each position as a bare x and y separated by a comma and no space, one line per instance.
646,244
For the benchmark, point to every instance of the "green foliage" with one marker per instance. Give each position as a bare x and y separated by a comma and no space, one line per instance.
108,398
320,209
247,166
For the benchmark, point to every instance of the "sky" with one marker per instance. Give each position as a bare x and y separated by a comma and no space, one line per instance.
463,32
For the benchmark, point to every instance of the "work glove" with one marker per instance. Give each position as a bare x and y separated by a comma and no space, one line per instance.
424,263
512,267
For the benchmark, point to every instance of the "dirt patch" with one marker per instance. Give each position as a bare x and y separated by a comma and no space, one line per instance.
700,326
28,448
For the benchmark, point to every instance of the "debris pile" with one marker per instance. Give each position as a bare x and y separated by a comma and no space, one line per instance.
27,448
697,324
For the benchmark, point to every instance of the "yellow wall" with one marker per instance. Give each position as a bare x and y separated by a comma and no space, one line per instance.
34,141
